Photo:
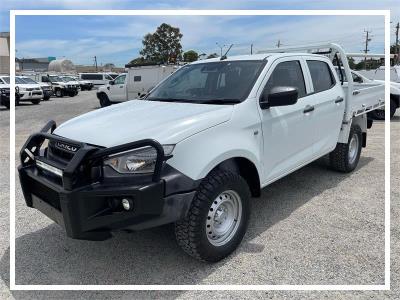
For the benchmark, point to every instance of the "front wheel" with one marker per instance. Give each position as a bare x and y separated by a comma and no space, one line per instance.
59,93
345,157
104,101
35,101
217,219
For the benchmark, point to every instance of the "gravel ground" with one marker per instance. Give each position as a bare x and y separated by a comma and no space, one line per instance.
314,226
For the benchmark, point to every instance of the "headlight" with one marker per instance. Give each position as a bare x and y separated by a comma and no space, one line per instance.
137,161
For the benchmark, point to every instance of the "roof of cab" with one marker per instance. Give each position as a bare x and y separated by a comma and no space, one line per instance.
262,56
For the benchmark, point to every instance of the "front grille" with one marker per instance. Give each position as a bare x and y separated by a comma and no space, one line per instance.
59,154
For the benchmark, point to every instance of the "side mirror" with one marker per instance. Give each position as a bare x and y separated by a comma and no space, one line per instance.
278,96
358,79
111,82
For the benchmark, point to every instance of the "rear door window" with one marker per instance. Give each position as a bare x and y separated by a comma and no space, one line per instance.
321,75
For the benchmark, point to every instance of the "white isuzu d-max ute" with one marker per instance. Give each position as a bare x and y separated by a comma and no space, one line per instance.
198,147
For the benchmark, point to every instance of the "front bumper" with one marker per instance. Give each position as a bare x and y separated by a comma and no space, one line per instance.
87,206
30,95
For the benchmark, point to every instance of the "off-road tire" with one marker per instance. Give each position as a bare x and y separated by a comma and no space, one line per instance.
59,93
393,108
339,158
104,101
35,101
191,232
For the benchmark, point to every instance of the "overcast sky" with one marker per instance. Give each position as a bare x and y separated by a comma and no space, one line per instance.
117,39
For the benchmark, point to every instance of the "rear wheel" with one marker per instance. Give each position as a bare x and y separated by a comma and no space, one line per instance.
217,219
46,98
345,157
379,114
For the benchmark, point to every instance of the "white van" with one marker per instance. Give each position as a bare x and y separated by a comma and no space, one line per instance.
134,84
96,78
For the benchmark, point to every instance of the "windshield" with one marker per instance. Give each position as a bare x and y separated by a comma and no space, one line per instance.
67,78
29,80
6,79
55,79
219,82
20,80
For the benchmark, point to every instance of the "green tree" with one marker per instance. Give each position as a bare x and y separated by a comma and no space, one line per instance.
190,56
164,45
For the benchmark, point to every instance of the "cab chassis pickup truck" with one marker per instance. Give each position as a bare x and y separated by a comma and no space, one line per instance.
200,145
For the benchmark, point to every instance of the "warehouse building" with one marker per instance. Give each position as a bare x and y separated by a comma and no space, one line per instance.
4,53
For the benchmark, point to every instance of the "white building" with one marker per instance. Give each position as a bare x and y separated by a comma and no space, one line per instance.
4,53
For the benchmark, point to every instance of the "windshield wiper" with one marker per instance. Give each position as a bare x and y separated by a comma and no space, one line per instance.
221,101
167,99
198,101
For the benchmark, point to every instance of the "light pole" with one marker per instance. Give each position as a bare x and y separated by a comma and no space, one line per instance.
221,47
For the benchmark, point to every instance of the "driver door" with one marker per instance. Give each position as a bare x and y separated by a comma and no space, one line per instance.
118,89
288,131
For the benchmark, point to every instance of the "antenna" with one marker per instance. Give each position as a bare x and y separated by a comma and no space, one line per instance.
224,56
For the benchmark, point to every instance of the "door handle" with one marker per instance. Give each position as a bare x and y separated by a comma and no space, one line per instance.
338,100
121,86
308,109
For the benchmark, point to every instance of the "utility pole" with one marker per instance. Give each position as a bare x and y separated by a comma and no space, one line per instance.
251,49
95,61
397,48
278,44
221,47
366,50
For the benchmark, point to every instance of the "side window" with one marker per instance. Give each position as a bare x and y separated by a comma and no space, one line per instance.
137,78
287,73
356,78
321,75
120,79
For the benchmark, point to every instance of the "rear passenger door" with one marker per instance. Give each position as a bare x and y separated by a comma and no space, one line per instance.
329,105
288,131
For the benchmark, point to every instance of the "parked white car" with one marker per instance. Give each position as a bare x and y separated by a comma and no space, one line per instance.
71,81
59,86
97,79
134,84
25,91
46,87
4,93
198,147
